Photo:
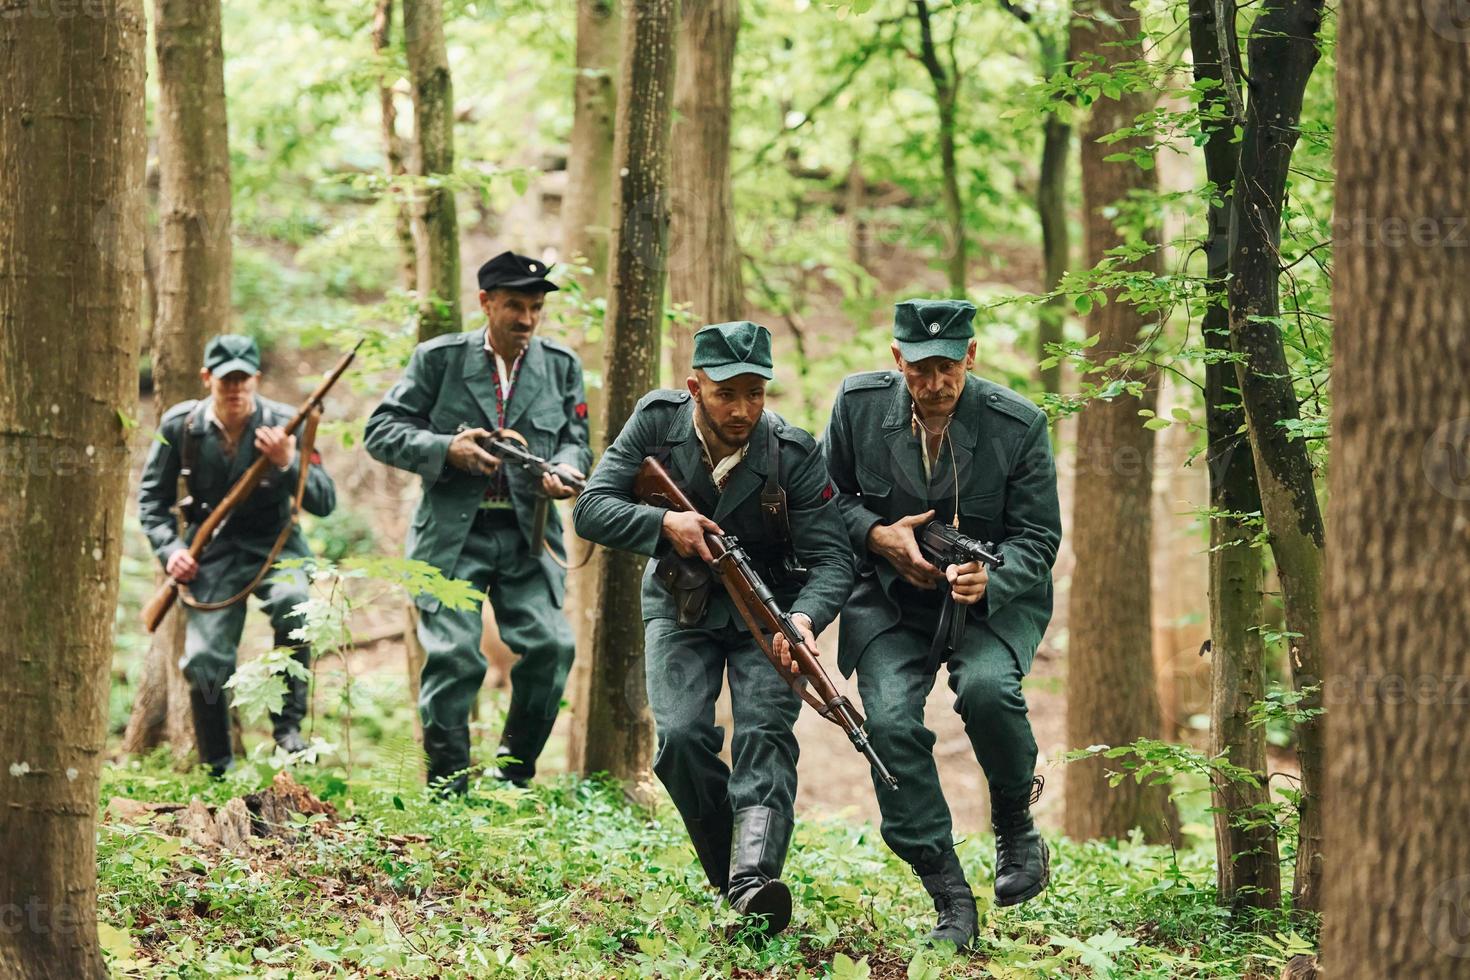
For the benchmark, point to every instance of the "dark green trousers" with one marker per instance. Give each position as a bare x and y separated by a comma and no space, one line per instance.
894,681
498,562
685,670
212,638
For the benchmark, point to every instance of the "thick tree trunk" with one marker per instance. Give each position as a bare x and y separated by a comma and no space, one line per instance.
1282,51
435,225
620,730
393,146
704,257
586,232
1248,870
193,292
1111,695
72,147
1398,584
946,88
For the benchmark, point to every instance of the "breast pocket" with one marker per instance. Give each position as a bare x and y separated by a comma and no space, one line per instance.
877,490
980,513
545,428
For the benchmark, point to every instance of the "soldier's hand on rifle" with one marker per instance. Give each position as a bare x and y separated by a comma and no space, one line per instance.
465,453
181,566
686,529
782,648
896,543
967,582
273,443
552,486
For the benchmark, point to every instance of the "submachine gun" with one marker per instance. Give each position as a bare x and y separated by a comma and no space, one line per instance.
943,545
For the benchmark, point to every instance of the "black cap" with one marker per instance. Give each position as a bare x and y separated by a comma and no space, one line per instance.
511,271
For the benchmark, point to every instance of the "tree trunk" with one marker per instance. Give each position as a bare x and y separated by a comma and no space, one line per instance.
620,730
1398,584
856,207
1051,207
946,88
72,148
1248,870
193,293
393,146
1283,51
704,257
435,226
586,231
1111,695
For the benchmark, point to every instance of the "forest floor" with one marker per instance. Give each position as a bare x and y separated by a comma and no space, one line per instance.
376,879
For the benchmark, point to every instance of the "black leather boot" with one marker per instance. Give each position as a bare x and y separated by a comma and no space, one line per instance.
448,753
212,730
711,838
758,844
1022,861
522,739
944,880
286,725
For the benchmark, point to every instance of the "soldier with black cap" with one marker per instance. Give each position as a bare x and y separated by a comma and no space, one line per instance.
477,520
930,440
724,450
209,444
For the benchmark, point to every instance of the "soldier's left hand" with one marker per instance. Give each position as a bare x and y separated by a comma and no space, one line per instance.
967,582
782,649
273,443
552,486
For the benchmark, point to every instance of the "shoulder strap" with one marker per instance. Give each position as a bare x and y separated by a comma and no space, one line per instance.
773,497
188,449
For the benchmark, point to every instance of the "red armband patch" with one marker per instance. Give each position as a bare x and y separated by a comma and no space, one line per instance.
316,458
828,492
581,410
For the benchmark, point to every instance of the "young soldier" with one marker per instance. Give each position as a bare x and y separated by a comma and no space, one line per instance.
476,520
211,443
721,447
904,447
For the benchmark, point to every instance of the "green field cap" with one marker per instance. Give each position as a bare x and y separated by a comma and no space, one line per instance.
934,328
231,352
724,350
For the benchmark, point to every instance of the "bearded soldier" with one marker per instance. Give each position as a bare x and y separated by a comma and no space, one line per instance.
931,441
725,452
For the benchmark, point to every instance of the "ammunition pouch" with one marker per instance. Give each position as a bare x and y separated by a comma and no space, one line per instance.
688,581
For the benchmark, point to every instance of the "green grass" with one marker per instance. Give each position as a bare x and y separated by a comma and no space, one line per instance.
567,880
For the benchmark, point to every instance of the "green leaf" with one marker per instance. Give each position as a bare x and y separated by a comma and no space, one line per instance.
1083,303
1157,424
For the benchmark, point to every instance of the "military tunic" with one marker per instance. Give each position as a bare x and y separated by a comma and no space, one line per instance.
451,383
996,466
685,665
243,541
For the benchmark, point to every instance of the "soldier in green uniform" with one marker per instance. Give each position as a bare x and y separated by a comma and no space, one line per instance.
722,448
930,440
210,443
476,520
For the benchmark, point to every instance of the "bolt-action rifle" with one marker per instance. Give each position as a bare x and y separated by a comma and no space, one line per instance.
764,617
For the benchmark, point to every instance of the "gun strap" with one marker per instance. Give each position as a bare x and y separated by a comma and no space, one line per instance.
189,449
304,451
773,496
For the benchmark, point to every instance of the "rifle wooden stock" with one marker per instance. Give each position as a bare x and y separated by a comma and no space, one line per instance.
762,615
163,600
